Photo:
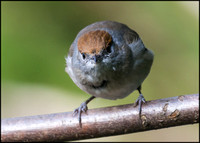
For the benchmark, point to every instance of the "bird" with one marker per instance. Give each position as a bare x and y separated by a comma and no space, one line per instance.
108,60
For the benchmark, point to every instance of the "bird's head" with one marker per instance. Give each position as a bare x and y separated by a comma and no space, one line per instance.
95,46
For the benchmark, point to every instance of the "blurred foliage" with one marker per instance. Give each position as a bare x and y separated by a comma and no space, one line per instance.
36,36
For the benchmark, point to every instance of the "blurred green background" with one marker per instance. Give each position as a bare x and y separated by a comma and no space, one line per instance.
36,36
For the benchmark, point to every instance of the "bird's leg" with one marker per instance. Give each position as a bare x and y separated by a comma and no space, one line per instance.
82,108
140,100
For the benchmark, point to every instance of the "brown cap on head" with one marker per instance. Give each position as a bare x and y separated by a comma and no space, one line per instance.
94,41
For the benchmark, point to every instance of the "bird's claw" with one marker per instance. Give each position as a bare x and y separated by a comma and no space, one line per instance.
82,108
139,101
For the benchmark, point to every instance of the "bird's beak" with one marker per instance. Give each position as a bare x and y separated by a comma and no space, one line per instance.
96,58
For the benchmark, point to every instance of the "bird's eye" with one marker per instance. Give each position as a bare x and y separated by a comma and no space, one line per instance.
108,49
83,55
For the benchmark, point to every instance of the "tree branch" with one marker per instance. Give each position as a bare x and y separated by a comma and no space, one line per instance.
162,113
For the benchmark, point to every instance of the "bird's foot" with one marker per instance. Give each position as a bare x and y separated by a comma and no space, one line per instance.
82,108
139,102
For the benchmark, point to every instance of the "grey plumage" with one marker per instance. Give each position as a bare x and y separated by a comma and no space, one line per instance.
117,73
